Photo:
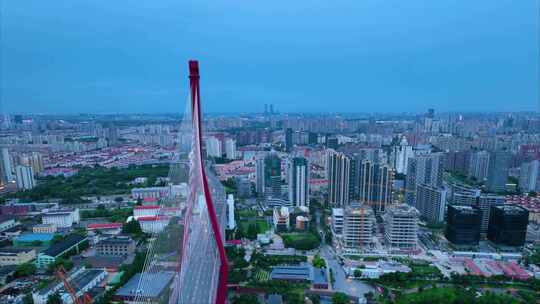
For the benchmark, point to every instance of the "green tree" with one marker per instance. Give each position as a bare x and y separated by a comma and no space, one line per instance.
24,270
132,227
36,243
57,239
245,299
318,261
67,264
315,299
340,298
27,299
295,297
252,231
357,273
54,299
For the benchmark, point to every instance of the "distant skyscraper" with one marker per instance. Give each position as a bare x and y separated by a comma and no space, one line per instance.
375,184
34,160
299,182
6,122
499,164
458,161
260,182
213,147
272,175
18,119
529,176
7,169
230,148
112,135
424,169
428,121
401,155
25,177
339,170
332,142
479,165
431,202
288,139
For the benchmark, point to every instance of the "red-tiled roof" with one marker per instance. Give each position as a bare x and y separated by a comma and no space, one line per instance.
104,226
146,207
152,218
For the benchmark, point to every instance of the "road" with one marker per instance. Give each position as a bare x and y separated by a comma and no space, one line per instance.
342,283
203,270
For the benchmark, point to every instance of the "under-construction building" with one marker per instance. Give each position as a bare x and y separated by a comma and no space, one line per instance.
358,225
401,226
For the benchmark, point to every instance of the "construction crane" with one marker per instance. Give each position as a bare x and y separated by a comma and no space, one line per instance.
85,299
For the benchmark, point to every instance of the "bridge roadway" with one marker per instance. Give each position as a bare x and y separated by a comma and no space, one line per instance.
202,272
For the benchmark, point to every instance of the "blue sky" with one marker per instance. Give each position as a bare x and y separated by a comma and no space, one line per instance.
105,56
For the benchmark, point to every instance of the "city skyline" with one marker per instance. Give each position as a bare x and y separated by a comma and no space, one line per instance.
359,57
282,152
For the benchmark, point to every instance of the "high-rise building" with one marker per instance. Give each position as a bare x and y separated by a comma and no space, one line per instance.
499,164
243,187
431,202
112,135
25,177
375,185
230,148
288,139
259,175
6,169
463,225
479,165
231,224
298,181
508,225
281,219
34,160
401,226
485,202
312,138
213,147
332,142
358,225
372,154
424,169
272,175
337,222
458,161
469,198
339,171
529,176
401,155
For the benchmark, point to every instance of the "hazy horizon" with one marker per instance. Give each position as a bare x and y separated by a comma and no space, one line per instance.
304,57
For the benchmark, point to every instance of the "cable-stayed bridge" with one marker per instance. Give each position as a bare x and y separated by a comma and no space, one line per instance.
187,242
